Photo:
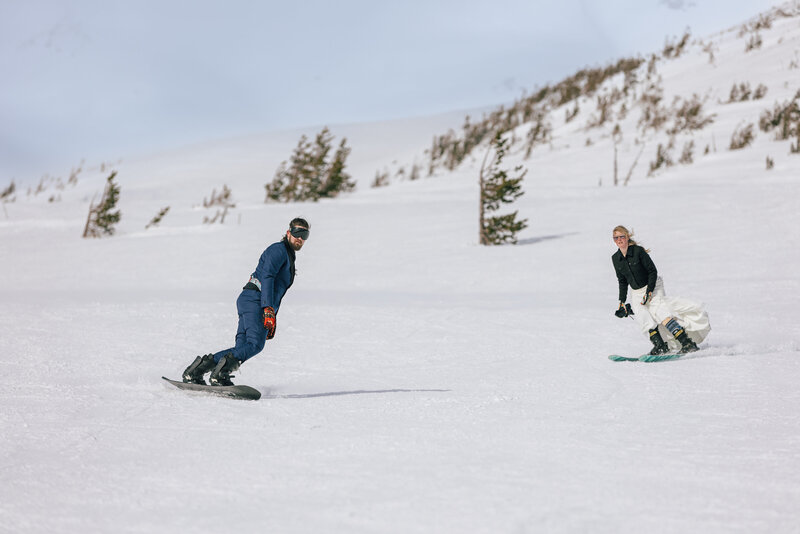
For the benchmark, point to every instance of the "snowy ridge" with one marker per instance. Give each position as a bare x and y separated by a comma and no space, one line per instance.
418,382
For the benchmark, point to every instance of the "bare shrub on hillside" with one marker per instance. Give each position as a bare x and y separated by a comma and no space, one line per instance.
414,174
473,135
381,179
763,22
770,163
652,65
155,221
223,198
654,115
673,50
787,12
753,43
570,114
783,118
689,116
623,112
538,134
39,187
604,103
437,150
687,154
663,158
453,150
223,201
742,137
45,183
593,79
218,216
73,175
616,134
630,81
709,49
740,92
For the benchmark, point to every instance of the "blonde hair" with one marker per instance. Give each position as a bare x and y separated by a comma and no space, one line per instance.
629,234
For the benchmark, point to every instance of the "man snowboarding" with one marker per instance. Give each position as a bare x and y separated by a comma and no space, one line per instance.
257,305
684,320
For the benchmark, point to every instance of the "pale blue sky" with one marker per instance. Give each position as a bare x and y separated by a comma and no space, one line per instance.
104,79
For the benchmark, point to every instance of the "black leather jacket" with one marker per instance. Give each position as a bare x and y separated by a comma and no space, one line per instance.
635,269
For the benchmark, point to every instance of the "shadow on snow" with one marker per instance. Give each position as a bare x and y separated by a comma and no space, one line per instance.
355,392
534,240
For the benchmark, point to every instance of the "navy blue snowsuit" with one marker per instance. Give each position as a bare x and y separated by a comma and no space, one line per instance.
275,272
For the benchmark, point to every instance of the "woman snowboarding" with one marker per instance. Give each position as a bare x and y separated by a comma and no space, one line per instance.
685,321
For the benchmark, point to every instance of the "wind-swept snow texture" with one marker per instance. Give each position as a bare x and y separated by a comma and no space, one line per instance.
418,382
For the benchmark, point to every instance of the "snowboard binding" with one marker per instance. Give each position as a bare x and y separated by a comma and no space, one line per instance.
199,367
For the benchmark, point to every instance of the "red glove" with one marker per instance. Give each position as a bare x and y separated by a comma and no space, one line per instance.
269,321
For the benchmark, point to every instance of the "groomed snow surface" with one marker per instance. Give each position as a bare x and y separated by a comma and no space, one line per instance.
418,382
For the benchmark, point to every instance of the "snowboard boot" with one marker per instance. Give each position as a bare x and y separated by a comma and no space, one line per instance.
659,345
221,375
200,366
687,345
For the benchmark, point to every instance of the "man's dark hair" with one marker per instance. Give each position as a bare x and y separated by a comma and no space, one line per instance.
298,221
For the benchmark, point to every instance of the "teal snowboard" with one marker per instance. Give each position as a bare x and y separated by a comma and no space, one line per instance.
618,358
232,392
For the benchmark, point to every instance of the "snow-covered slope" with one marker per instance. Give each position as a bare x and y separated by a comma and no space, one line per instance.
418,382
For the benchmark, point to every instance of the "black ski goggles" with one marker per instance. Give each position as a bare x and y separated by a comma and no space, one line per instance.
299,231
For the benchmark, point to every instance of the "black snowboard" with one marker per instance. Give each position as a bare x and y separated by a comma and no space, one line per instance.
233,392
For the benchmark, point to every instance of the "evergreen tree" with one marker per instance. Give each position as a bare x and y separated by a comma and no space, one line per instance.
498,187
311,172
336,180
317,163
103,217
299,173
277,186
